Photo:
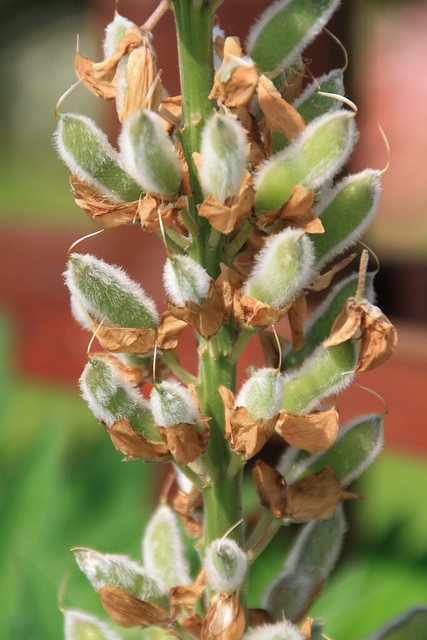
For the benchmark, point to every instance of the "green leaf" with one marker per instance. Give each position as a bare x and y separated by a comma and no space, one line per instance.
355,448
307,566
163,548
284,30
410,625
314,157
345,213
86,151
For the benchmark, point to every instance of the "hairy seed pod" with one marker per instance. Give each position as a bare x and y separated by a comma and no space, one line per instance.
115,31
78,625
87,153
185,279
111,398
282,268
278,631
148,153
311,105
262,394
314,157
224,153
106,292
172,403
226,565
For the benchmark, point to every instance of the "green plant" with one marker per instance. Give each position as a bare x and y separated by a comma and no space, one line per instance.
236,176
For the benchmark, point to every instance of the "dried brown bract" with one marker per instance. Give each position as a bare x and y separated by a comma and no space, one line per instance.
133,444
224,216
225,619
105,213
186,442
311,432
186,505
128,611
205,318
279,115
236,80
125,340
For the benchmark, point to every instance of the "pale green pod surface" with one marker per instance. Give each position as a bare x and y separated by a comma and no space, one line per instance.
285,29
106,569
262,394
409,625
224,153
107,293
328,371
79,625
226,565
111,398
283,267
356,447
284,630
310,105
86,151
172,403
308,564
319,325
115,31
345,213
314,157
163,549
148,153
185,279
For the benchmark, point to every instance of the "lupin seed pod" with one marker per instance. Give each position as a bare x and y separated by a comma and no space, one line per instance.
282,268
224,153
278,631
285,29
79,625
106,292
172,403
185,279
106,569
313,158
85,149
262,394
148,153
226,566
311,105
111,398
115,31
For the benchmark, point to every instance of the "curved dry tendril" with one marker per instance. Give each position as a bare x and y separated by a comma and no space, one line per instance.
227,533
154,363
373,254
387,146
342,99
376,394
341,46
364,259
62,98
279,348
89,346
152,88
89,235
162,231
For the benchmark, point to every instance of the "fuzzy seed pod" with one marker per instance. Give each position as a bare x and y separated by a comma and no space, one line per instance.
172,403
115,31
85,149
111,398
224,155
106,292
262,394
310,105
282,269
148,153
184,279
81,626
279,631
226,565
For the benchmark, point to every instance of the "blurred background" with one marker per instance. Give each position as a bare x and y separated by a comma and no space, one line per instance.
61,482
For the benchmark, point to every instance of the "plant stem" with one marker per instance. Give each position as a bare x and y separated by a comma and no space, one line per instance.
185,376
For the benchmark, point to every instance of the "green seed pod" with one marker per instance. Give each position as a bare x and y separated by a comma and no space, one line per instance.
106,569
409,624
314,157
262,394
81,626
163,548
284,630
172,403
185,279
285,29
307,566
115,31
87,153
345,212
319,325
148,153
226,566
356,447
327,372
282,268
224,152
106,292
111,398
311,105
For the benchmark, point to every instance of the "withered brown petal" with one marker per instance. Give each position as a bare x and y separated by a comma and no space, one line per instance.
270,348
253,313
205,318
235,89
104,213
85,73
224,217
168,331
128,611
248,436
271,488
136,375
106,69
279,115
296,315
225,619
133,444
311,432
228,282
298,212
379,339
323,281
314,497
186,442
129,340
228,399
185,505
346,323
